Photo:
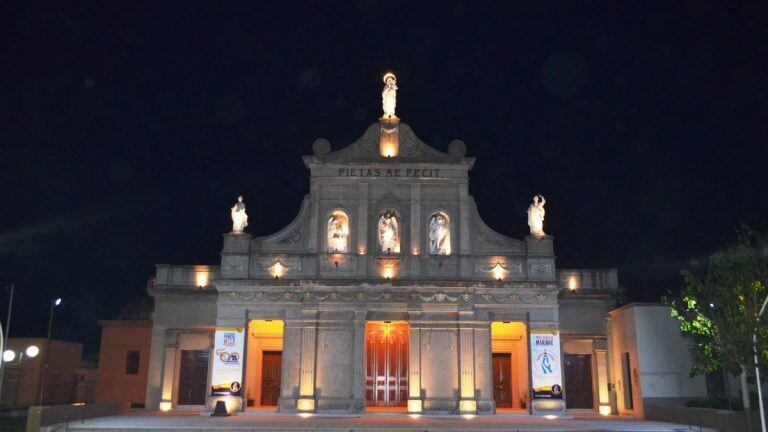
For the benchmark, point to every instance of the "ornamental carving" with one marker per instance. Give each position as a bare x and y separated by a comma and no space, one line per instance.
291,239
360,296
507,267
541,268
409,147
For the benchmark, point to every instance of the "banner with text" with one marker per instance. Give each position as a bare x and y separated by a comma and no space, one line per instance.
547,379
228,361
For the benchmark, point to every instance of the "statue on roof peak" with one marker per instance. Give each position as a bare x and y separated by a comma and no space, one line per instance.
389,95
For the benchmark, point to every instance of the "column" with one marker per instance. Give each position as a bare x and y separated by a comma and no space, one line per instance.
169,373
415,403
467,403
306,400
358,379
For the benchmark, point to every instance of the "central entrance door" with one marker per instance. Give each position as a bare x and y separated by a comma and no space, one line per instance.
386,369
193,377
502,380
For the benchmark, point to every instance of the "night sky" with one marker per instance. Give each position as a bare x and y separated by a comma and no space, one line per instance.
127,129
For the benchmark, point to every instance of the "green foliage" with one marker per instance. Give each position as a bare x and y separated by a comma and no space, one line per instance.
719,304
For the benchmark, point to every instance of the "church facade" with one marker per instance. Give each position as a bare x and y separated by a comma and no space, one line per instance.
387,292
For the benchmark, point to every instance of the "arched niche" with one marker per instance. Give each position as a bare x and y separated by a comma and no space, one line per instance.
388,232
337,232
439,234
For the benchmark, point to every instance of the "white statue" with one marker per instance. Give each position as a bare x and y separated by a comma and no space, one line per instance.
536,216
389,95
389,233
439,235
338,232
239,216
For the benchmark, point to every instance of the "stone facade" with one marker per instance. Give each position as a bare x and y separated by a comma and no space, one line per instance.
325,286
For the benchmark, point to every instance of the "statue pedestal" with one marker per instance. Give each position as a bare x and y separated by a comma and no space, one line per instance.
237,242
389,142
539,245
235,255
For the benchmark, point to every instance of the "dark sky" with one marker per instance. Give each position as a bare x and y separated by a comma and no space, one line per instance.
128,128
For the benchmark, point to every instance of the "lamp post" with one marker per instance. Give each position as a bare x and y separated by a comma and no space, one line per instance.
9,356
4,336
54,303
757,369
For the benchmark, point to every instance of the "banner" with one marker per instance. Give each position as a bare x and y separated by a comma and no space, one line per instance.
547,380
227,376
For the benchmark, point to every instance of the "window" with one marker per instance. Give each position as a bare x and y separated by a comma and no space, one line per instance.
338,232
132,362
439,234
388,232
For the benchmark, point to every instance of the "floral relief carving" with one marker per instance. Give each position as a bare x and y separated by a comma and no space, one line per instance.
360,296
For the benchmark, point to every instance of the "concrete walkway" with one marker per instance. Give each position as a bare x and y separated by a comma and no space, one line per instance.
143,421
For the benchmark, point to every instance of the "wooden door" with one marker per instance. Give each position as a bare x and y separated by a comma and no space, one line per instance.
386,379
502,380
193,379
271,365
578,381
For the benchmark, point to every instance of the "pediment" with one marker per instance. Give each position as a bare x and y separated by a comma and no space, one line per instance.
412,149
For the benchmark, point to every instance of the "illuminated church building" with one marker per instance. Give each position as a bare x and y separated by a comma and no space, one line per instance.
387,292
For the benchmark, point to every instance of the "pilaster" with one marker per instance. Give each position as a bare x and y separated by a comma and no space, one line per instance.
415,402
483,364
156,365
358,379
362,228
306,402
415,248
169,374
467,402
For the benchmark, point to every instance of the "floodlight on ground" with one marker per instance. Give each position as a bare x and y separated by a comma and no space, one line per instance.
32,351
9,355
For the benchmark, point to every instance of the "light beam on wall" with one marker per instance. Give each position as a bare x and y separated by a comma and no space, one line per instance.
277,271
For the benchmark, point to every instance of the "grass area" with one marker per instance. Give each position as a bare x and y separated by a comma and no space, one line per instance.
9,424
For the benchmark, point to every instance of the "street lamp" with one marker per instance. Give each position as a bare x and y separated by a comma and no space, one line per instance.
757,369
10,355
54,303
4,337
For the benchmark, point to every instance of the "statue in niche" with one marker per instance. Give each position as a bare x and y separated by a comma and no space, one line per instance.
389,95
389,233
239,216
536,216
338,233
439,235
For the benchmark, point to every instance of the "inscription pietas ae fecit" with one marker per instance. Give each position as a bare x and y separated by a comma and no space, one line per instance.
388,172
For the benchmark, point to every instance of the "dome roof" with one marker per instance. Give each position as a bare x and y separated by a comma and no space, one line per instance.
139,309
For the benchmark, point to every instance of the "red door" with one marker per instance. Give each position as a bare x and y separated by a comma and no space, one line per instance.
386,378
502,380
271,365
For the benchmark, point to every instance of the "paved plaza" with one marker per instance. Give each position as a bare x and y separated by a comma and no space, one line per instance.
367,422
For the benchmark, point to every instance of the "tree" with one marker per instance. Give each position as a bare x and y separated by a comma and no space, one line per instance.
718,307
